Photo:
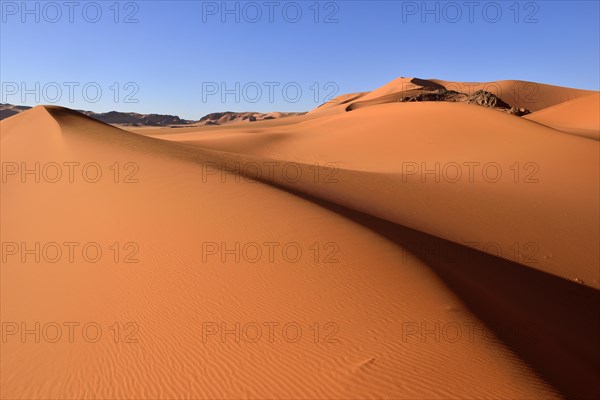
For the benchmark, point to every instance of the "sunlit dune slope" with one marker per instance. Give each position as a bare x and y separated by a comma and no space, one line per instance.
580,116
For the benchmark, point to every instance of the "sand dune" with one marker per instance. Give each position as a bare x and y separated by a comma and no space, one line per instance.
339,100
531,96
401,85
580,116
393,264
500,199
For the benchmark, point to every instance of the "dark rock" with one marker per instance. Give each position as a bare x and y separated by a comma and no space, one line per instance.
486,99
519,112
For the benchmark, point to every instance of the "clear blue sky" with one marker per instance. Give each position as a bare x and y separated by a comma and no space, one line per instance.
179,53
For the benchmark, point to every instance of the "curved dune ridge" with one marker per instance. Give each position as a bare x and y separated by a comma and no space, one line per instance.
580,116
406,285
531,96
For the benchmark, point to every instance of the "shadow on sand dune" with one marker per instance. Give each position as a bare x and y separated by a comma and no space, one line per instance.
551,323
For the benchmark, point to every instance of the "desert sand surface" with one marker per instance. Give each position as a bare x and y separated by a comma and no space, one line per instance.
580,116
433,250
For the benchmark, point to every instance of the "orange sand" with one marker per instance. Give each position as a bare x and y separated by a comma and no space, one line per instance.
390,266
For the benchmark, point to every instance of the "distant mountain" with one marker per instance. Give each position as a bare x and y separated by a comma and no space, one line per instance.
112,117
135,119
8,110
229,117
158,120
